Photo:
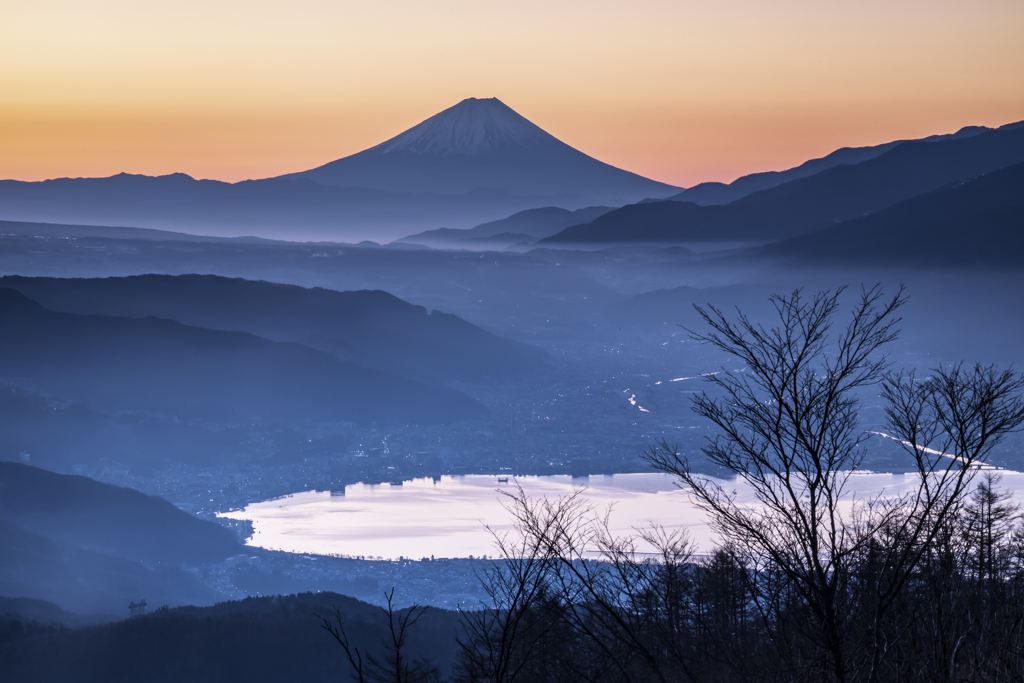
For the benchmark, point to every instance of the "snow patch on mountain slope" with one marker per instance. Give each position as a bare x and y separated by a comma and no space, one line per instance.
473,126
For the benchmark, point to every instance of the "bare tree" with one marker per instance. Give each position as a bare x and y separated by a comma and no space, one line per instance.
948,424
499,640
625,612
790,432
395,666
811,582
336,627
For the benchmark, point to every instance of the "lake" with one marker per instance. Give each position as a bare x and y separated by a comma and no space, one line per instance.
445,517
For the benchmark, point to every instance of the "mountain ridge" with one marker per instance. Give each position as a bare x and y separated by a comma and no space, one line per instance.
285,208
372,328
530,224
109,519
835,195
715,193
162,366
973,223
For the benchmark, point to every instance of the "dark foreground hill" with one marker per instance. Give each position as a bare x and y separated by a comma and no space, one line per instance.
371,328
256,640
108,519
85,581
156,365
834,195
93,548
44,613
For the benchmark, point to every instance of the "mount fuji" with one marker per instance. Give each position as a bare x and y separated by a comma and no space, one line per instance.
484,144
476,162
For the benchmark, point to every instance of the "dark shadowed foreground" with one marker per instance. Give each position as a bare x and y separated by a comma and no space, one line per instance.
256,640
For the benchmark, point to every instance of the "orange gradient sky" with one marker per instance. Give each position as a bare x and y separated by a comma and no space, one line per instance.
679,91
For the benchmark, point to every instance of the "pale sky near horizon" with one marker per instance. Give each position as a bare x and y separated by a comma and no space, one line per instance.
678,91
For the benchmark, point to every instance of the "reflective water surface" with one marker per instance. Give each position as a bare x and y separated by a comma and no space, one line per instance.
446,517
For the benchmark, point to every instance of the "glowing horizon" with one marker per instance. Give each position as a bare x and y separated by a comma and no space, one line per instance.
674,91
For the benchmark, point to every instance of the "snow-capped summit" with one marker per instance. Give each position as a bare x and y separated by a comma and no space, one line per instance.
484,144
473,126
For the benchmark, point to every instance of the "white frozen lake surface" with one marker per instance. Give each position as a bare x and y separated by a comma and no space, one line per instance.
446,518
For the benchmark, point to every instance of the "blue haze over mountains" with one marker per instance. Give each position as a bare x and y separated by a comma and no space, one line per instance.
511,295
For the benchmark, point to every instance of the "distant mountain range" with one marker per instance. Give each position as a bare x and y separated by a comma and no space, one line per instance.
474,162
706,194
799,206
959,250
296,209
530,225
153,365
493,179
371,328
31,229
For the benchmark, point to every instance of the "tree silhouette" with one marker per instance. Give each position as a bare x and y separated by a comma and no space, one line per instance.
396,666
790,432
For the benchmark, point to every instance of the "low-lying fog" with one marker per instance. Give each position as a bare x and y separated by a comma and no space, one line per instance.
559,364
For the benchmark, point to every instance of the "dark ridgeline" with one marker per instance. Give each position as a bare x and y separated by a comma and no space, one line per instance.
536,224
371,328
87,582
108,519
939,243
706,194
108,232
970,224
833,195
529,226
43,613
163,366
